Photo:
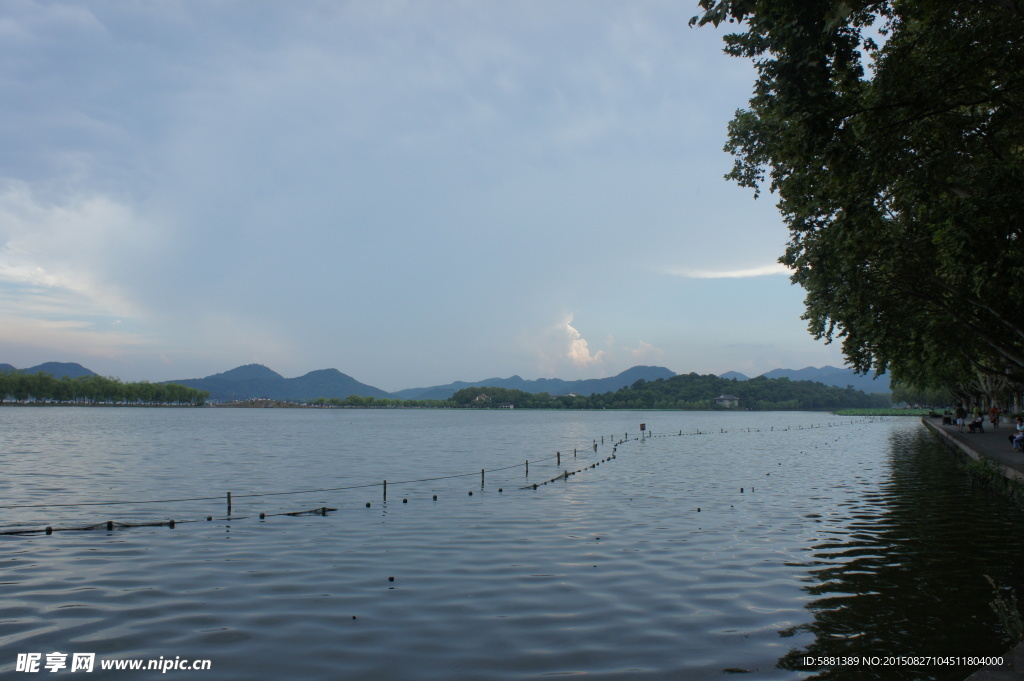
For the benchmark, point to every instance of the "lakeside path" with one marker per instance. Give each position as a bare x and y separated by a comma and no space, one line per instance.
993,444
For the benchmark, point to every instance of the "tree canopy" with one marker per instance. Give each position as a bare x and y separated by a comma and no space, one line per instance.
892,134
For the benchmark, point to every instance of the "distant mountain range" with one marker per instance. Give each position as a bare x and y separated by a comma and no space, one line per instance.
828,375
255,381
56,369
552,386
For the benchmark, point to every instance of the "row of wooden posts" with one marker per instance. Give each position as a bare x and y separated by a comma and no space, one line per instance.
558,462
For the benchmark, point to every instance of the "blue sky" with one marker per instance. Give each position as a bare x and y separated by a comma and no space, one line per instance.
410,192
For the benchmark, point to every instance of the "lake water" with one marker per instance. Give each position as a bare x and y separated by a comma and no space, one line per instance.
729,553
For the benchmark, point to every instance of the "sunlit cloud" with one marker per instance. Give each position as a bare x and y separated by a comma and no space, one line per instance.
579,350
765,271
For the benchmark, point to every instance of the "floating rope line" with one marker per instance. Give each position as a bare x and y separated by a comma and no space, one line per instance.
268,494
110,525
324,510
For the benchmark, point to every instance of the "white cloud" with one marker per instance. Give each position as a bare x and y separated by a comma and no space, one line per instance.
18,334
578,349
645,352
63,259
765,271
336,184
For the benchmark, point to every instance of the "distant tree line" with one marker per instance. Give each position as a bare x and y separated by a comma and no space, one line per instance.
689,391
379,402
19,386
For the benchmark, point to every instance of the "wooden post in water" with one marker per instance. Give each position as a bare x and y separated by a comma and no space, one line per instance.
481,478
385,490
527,468
229,503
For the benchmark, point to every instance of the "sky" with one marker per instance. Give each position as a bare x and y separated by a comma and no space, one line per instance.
410,192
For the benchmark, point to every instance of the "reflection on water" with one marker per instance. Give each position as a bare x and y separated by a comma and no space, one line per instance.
685,557
902,573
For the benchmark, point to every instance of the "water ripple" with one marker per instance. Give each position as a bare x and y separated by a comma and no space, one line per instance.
682,558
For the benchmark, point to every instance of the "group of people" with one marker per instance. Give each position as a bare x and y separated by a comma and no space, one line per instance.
977,424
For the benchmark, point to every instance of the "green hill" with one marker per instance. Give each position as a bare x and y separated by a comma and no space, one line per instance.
257,381
688,391
552,386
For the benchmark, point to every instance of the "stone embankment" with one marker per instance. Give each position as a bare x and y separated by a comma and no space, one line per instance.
992,444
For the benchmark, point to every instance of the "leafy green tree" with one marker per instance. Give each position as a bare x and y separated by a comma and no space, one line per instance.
20,386
930,397
6,384
892,134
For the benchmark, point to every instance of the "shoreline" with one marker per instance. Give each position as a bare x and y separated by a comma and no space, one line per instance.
282,404
97,404
991,450
990,444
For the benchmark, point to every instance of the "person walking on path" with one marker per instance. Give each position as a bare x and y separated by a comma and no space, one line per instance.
961,416
993,415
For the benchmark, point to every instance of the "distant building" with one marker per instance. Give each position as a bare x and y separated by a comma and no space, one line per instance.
727,401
